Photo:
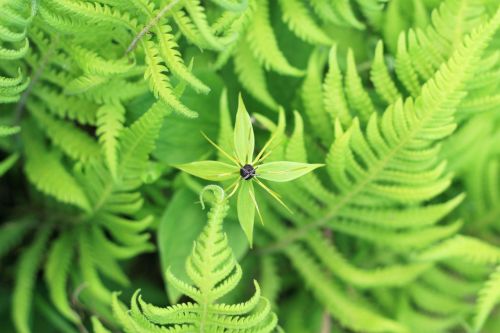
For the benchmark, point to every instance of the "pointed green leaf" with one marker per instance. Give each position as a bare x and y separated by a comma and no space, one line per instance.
25,281
284,171
8,163
210,170
246,209
244,140
56,274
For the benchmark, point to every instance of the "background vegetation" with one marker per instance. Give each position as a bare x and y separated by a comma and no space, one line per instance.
394,104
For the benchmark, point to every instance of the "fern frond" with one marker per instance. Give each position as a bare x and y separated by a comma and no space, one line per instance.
404,69
88,267
45,170
138,140
97,326
25,281
334,99
214,272
296,15
384,84
8,163
199,18
312,98
71,140
263,42
11,235
488,297
64,106
56,274
92,63
356,94
408,135
270,281
468,248
169,51
110,120
14,45
7,131
159,82
235,6
350,313
251,76
326,11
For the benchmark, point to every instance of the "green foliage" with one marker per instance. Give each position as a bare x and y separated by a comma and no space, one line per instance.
14,45
245,169
214,272
110,111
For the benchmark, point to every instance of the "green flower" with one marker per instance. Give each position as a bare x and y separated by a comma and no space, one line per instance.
247,170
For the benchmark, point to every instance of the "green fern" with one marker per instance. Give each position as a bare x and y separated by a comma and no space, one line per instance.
396,98
25,281
14,45
487,299
214,272
358,165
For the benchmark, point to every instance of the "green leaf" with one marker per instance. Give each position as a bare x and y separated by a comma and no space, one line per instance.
246,209
110,118
56,274
210,170
98,326
284,171
12,233
244,140
25,281
9,130
179,227
7,163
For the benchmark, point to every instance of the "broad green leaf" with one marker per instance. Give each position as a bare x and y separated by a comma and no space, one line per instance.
284,171
244,140
181,223
210,170
246,209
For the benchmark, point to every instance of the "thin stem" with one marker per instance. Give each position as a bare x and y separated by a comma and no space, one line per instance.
326,323
148,27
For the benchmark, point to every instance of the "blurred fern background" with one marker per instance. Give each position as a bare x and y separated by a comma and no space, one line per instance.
348,153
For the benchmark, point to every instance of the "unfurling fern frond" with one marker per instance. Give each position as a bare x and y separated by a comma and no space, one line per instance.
214,272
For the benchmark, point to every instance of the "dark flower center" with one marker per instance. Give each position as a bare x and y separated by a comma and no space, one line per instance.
247,172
